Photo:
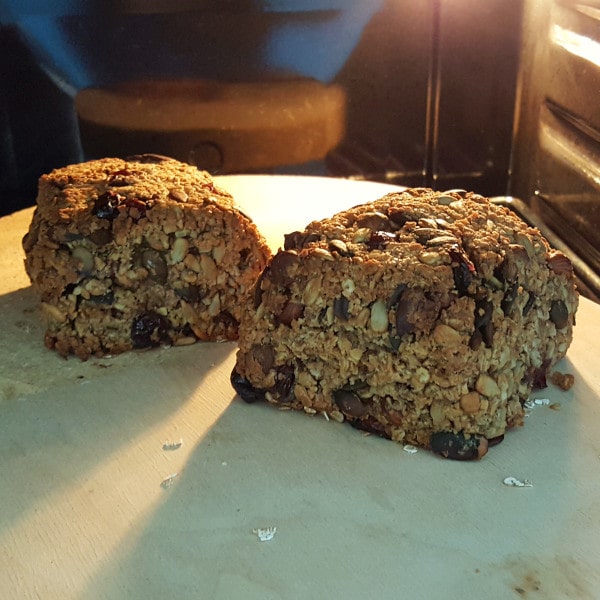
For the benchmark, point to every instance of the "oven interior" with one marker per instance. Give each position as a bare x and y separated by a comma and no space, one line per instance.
498,97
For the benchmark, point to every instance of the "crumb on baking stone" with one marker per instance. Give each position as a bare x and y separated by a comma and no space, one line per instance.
564,381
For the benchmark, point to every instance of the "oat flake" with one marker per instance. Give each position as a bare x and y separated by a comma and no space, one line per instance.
172,445
514,482
265,534
410,449
531,403
167,482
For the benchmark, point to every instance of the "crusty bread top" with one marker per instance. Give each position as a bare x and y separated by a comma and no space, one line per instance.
148,178
420,226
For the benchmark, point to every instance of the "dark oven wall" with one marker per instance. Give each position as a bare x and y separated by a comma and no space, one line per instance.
431,90
38,129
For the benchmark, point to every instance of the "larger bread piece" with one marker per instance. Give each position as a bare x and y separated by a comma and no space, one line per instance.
138,253
424,317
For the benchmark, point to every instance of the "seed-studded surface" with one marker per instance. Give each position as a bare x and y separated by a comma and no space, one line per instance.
423,317
136,253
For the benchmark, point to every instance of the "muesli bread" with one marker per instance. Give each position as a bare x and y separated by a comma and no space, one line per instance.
137,253
423,317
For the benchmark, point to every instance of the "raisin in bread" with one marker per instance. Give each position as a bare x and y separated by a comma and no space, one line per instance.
424,317
136,253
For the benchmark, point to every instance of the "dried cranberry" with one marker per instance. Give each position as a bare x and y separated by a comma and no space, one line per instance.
209,186
463,269
244,254
341,306
396,295
483,322
284,382
149,329
258,291
69,289
508,301
536,377
529,304
539,376
475,340
245,390
457,446
119,178
539,380
106,206
378,240
487,334
507,271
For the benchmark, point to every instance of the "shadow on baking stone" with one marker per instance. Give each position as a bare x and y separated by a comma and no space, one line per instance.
344,510
86,459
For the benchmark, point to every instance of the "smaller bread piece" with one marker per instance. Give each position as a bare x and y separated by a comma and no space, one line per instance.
137,253
423,317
